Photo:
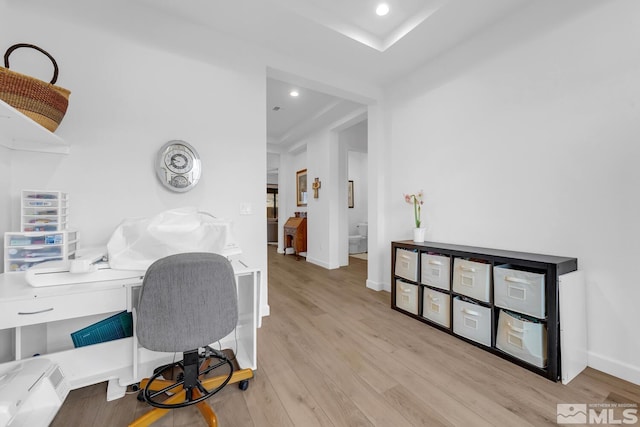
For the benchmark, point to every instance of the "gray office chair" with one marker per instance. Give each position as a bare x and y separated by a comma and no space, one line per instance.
187,302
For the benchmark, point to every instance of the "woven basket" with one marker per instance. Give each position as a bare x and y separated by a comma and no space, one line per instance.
45,103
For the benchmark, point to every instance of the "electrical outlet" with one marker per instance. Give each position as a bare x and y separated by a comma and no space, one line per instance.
245,209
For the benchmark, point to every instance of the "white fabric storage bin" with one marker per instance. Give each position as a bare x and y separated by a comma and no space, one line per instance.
407,296
471,278
436,271
522,338
520,291
407,264
436,306
472,321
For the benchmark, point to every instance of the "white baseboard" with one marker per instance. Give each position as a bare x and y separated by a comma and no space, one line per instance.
318,262
265,310
378,286
615,367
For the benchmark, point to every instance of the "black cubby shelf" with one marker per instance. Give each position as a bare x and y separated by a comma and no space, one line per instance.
408,272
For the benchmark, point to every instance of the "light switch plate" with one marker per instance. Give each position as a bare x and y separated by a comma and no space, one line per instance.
245,209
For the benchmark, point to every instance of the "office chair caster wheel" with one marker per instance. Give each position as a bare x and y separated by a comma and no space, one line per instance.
243,385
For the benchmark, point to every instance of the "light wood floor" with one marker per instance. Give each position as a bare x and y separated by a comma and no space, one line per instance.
333,353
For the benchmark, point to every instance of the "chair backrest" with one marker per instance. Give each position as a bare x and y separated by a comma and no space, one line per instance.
187,301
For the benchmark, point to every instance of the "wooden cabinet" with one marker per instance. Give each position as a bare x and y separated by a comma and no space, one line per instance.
504,302
295,235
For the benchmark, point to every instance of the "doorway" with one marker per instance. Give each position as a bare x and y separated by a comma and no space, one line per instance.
272,214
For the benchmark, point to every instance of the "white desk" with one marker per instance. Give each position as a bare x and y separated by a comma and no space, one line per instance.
43,318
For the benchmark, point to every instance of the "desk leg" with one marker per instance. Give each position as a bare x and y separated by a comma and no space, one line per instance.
115,390
135,346
257,283
18,343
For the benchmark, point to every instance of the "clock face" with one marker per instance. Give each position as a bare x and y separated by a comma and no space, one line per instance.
178,166
179,160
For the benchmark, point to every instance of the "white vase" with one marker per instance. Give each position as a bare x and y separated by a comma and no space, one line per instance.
418,234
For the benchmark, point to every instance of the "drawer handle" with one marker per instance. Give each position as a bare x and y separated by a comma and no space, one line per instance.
471,312
406,290
432,298
513,328
516,280
23,313
470,269
433,262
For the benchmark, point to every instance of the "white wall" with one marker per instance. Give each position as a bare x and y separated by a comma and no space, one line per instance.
127,100
379,181
6,350
535,148
5,213
322,220
5,169
355,138
326,157
299,162
358,174
273,163
290,163
5,194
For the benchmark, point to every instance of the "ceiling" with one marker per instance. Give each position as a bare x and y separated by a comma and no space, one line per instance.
359,21
342,39
290,118
344,36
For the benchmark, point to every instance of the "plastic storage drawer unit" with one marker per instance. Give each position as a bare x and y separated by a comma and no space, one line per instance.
471,278
407,264
436,271
520,291
44,210
436,306
522,338
472,321
23,250
407,296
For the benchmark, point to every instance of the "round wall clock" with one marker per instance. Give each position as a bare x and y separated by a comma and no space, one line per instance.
178,166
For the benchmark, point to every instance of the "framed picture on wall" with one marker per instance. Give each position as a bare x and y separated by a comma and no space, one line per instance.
350,194
301,187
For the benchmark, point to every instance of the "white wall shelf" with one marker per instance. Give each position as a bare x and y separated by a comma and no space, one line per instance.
24,134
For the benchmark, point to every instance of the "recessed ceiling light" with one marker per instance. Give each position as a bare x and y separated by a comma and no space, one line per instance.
294,93
382,9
